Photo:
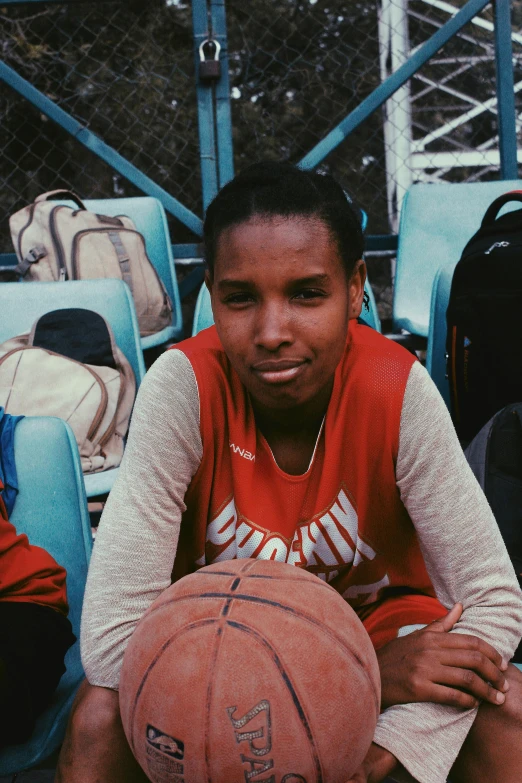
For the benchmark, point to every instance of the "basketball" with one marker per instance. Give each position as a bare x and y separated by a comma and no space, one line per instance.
250,670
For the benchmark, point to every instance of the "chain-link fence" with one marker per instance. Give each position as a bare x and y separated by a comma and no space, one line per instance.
297,67
123,69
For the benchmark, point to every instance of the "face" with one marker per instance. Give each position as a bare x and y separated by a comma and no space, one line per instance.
282,301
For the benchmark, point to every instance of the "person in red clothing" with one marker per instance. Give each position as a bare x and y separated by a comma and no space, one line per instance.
291,431
35,633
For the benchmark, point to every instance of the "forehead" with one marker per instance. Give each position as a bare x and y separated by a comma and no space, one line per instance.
293,242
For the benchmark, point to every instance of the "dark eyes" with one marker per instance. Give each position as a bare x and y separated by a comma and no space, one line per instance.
238,299
304,294
309,293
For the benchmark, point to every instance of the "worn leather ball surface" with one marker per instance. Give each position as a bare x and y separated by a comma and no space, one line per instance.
250,670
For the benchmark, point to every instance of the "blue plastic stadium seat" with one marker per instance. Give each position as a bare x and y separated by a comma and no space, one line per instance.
436,223
149,218
51,508
22,303
204,318
371,316
436,356
203,315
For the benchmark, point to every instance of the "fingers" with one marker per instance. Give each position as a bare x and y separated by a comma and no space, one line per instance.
442,694
472,684
446,623
461,641
476,663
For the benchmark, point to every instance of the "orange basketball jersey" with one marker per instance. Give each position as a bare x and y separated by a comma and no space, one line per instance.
343,519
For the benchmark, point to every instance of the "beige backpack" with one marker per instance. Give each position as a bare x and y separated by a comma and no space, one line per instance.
56,242
41,374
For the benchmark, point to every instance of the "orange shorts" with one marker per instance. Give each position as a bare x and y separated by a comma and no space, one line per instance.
398,616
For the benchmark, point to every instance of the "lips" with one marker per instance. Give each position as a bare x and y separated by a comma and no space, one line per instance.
275,371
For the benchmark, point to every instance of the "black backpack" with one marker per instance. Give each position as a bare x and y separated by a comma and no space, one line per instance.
484,319
495,457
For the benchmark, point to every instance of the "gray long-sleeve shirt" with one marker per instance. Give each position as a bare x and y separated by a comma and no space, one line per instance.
462,547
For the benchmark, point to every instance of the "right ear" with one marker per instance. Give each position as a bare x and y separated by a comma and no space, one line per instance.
208,281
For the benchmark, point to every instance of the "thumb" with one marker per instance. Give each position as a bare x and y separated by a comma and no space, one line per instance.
446,623
358,777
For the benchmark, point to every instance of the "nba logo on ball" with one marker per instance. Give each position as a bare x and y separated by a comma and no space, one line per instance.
250,670
163,756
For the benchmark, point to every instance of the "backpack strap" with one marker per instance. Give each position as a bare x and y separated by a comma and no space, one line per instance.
123,257
112,221
55,195
494,208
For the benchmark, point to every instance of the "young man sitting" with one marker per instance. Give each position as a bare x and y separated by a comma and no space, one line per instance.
329,414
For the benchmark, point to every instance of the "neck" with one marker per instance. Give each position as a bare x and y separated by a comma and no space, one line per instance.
300,420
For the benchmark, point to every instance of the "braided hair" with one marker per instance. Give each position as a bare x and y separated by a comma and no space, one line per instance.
270,189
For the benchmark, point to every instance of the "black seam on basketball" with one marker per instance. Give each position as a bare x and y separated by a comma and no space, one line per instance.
157,655
213,573
279,578
210,673
290,687
226,608
291,579
235,584
280,607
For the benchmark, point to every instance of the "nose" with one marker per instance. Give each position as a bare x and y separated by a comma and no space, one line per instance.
273,327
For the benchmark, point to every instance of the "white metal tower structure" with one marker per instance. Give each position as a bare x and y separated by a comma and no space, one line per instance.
415,152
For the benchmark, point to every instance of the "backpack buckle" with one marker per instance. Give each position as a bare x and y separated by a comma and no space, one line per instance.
31,257
35,254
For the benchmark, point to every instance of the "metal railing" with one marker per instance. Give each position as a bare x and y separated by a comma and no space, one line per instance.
107,98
